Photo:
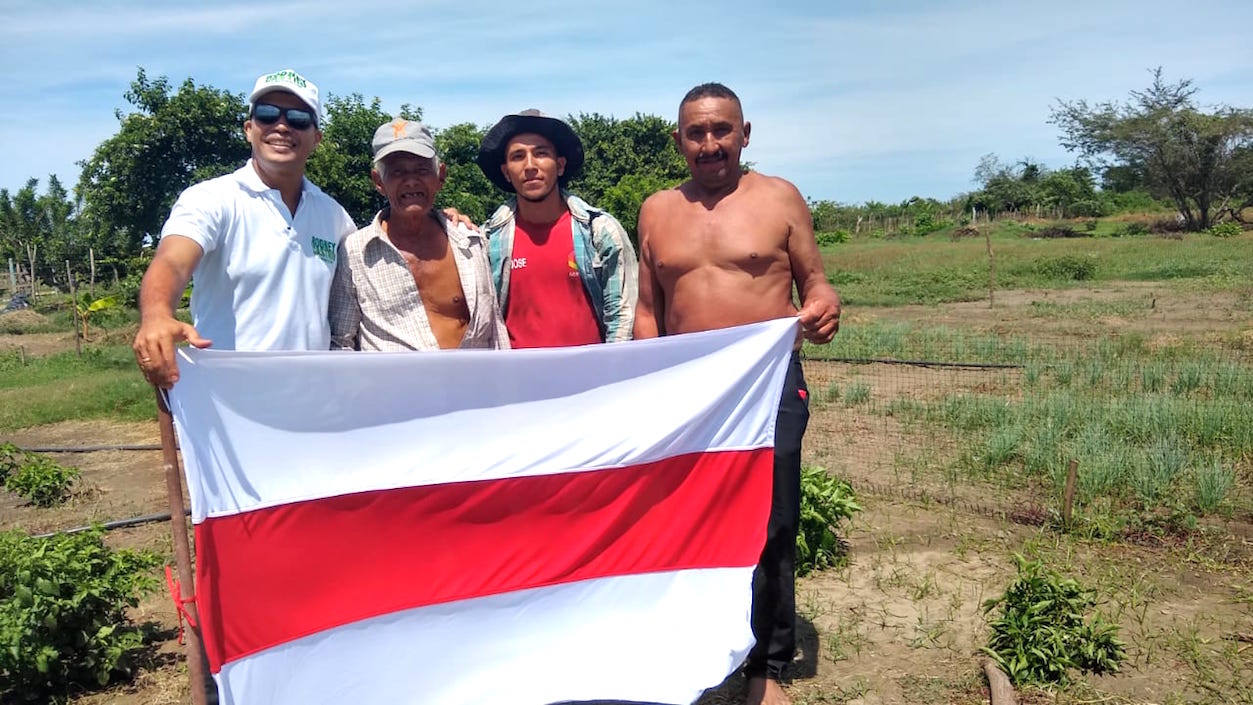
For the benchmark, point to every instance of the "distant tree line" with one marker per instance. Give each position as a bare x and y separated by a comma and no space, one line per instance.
1157,150
1157,147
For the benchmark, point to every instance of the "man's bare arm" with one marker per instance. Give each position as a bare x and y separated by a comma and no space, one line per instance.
159,294
820,305
650,308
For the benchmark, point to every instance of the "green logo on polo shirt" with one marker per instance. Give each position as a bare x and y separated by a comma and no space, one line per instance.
324,249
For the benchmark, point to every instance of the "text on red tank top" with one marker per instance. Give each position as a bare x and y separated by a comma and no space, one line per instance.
548,305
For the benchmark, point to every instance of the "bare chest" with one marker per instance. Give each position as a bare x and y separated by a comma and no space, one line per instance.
438,282
734,239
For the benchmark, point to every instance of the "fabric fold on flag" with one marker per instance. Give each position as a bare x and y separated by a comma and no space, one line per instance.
521,527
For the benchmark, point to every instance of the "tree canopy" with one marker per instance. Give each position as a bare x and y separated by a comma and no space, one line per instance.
171,140
626,161
341,165
40,230
1200,160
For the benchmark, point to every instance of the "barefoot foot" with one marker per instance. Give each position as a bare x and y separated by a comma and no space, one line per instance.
765,691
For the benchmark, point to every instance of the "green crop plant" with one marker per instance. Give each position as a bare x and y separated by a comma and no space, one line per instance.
36,477
1164,459
826,503
1212,483
1042,630
856,393
63,603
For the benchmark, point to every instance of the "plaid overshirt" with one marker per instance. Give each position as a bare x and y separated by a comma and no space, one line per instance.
603,252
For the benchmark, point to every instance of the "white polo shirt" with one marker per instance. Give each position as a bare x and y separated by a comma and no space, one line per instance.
265,277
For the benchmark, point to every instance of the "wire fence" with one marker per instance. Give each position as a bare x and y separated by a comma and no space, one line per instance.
994,420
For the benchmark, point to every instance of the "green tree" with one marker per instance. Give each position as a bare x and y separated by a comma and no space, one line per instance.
40,230
170,141
59,233
466,188
1074,192
19,223
626,160
1195,158
1005,187
341,164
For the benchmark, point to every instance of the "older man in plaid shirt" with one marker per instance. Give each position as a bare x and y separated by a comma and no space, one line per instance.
412,280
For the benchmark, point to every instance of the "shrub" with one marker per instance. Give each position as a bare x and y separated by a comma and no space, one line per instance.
1066,267
1057,231
1132,229
826,502
63,607
36,477
1166,226
927,223
1090,208
832,237
1224,230
1042,632
10,460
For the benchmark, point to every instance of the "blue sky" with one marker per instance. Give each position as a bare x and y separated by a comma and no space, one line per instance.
850,101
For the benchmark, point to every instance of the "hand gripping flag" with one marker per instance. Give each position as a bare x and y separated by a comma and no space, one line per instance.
477,527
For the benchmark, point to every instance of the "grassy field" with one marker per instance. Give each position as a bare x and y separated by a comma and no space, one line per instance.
894,272
1131,355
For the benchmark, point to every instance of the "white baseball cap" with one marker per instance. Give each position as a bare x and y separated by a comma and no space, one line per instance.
291,82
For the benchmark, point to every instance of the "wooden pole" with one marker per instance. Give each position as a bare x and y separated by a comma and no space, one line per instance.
1000,690
182,550
1068,501
78,334
21,354
91,255
987,236
12,277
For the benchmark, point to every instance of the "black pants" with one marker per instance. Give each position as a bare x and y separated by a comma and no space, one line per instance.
774,580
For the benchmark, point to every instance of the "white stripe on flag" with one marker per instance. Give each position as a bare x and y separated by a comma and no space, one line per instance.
654,638
326,424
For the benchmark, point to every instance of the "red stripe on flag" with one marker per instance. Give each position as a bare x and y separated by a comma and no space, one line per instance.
273,575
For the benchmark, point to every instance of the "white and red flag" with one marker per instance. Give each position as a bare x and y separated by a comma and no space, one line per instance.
478,527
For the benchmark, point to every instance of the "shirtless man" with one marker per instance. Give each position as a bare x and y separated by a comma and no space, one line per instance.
724,249
412,280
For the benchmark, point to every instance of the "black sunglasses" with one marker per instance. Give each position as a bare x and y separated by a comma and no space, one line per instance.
297,118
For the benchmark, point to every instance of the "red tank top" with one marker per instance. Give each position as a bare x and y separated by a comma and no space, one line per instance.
548,306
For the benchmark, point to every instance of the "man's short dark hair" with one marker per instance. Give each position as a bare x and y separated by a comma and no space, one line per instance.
711,90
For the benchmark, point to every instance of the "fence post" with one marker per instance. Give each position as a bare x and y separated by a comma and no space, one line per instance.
987,236
1068,502
78,333
12,277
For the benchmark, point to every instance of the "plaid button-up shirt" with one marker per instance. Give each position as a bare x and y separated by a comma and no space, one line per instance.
375,303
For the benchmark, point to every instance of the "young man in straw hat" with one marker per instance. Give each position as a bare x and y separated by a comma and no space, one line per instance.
565,272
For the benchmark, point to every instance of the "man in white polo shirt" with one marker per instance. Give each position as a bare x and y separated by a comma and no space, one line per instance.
260,244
